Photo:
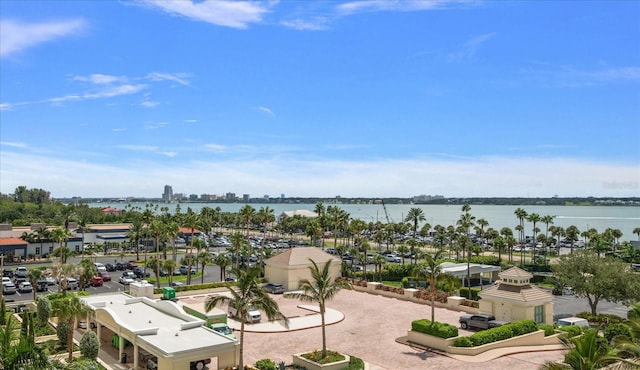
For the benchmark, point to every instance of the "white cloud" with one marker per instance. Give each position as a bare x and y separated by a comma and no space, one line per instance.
317,24
150,104
13,144
235,14
354,7
100,79
572,76
489,176
113,91
16,36
469,49
155,125
266,110
119,129
175,77
169,154
216,147
144,148
190,121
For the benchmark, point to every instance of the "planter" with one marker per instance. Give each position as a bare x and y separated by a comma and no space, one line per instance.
310,365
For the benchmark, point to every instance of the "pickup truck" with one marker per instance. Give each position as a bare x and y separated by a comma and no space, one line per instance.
479,321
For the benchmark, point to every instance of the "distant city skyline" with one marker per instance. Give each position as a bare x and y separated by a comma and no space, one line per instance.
321,98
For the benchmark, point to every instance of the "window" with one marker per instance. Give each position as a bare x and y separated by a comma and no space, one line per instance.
37,250
538,314
77,248
51,249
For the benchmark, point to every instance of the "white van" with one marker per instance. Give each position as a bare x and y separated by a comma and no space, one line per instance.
100,266
569,321
253,315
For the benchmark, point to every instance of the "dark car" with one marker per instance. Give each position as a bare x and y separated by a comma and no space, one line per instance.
110,267
104,275
42,286
131,265
121,266
140,273
8,272
273,288
163,272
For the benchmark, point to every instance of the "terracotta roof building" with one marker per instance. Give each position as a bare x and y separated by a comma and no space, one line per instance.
513,298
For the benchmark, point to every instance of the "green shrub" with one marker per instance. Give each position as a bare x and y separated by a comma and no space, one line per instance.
186,288
89,345
548,329
615,330
355,363
462,342
62,330
405,282
499,333
83,364
464,292
486,260
266,364
600,319
572,331
437,329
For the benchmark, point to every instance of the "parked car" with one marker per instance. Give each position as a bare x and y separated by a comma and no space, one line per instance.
184,270
131,265
96,281
177,272
50,280
42,285
104,275
163,272
21,272
25,287
7,273
110,267
8,288
571,321
140,272
127,278
177,283
392,258
121,266
72,284
479,321
19,280
273,288
252,316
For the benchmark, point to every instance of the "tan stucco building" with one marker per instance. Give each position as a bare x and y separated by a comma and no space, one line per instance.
513,298
289,267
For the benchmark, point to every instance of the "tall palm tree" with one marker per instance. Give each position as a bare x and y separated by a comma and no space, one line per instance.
321,289
42,234
534,218
266,216
223,260
86,270
432,272
338,217
247,213
379,261
154,263
572,232
20,353
415,216
203,258
69,309
60,235
191,221
34,275
135,233
322,219
247,294
521,214
466,222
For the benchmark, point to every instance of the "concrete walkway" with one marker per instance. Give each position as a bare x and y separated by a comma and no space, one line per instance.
310,319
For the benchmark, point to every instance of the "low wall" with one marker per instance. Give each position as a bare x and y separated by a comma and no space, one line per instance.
310,365
536,338
453,303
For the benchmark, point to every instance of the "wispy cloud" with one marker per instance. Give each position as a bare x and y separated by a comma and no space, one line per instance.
120,129
155,125
235,14
13,144
216,147
315,24
469,49
190,121
266,110
364,6
149,104
142,148
180,78
101,79
572,76
16,36
112,91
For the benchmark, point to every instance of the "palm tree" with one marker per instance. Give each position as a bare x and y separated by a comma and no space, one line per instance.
466,222
379,261
246,295
34,275
247,213
321,288
637,232
338,217
222,260
203,258
534,218
61,235
572,233
521,214
87,270
69,309
135,233
169,266
42,234
322,220
415,216
191,221
266,216
20,353
431,271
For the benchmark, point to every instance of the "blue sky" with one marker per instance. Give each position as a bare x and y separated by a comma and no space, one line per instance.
321,98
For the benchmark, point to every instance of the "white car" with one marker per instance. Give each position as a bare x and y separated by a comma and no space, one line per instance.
392,258
25,287
126,278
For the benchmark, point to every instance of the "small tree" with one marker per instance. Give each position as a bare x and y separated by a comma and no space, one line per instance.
321,288
89,345
43,308
3,311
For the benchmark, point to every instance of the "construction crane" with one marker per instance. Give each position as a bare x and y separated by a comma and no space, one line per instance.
386,214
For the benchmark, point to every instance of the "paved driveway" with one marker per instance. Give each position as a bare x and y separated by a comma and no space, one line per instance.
369,330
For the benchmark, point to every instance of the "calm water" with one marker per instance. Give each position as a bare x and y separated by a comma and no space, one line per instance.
584,217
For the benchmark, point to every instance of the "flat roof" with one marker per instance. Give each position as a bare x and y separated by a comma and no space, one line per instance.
161,324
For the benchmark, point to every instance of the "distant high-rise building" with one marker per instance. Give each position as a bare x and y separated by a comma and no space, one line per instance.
230,197
245,198
167,196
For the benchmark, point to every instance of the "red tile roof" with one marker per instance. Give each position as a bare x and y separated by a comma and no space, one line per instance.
12,241
187,230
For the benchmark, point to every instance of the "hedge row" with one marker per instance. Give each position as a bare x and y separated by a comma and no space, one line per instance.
496,334
186,288
602,318
572,330
437,329
464,292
